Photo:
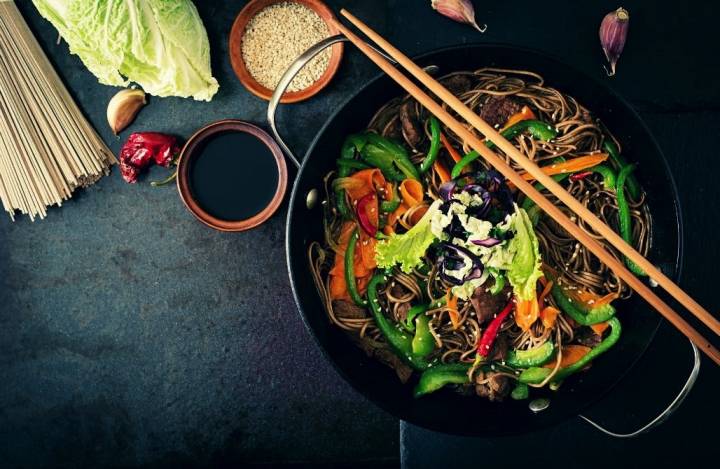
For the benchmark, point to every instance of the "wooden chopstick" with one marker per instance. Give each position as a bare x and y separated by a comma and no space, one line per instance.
499,164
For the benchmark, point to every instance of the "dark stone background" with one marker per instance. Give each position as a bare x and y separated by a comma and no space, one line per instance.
132,335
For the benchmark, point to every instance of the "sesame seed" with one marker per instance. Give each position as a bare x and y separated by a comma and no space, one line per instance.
276,36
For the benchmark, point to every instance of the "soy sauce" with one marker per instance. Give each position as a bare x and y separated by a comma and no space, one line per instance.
234,176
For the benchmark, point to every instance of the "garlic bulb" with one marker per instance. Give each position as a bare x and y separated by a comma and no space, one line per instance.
461,11
613,33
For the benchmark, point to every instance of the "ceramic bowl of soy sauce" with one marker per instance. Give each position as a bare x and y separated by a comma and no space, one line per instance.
231,175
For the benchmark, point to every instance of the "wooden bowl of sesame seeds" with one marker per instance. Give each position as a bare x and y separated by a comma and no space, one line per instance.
268,35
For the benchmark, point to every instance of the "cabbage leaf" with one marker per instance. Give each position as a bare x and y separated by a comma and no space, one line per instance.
525,268
408,249
161,45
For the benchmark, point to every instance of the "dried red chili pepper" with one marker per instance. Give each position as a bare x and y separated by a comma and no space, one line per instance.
143,148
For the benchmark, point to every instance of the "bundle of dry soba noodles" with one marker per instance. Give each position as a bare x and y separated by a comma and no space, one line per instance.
47,147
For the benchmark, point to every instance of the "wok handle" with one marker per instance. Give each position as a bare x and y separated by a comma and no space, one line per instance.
672,407
288,76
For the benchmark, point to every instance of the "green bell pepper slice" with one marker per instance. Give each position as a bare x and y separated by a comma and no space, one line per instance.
389,206
625,218
613,151
538,375
536,128
423,343
536,356
399,340
437,376
580,314
521,391
390,157
432,153
350,270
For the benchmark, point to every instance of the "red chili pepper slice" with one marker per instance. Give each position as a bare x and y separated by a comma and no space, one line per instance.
363,216
488,338
579,176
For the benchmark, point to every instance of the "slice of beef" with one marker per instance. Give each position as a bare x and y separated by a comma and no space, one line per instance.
411,130
500,349
348,310
498,109
587,337
384,354
402,310
495,389
457,84
487,305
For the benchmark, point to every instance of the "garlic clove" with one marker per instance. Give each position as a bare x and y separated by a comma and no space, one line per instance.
613,33
461,11
123,107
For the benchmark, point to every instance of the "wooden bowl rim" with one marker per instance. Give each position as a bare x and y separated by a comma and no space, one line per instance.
189,152
249,82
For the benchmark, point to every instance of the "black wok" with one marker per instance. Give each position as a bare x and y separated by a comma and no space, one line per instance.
447,411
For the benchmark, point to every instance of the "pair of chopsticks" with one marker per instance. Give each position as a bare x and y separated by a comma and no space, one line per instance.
554,212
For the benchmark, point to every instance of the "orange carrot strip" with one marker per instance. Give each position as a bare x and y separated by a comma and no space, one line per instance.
548,316
526,313
363,264
453,153
524,114
600,327
412,192
442,172
570,355
451,302
417,215
570,166
547,286
371,179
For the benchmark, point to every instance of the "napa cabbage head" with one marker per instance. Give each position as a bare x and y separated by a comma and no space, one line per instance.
161,45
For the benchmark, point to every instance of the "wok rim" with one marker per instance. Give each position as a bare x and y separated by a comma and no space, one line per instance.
679,228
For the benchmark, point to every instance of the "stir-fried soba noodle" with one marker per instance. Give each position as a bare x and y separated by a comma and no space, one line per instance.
550,343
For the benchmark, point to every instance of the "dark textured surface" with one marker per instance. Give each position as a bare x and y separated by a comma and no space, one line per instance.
130,334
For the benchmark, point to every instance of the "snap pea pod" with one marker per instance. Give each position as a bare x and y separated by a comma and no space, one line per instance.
613,151
536,128
350,270
625,218
582,316
537,375
399,340
432,153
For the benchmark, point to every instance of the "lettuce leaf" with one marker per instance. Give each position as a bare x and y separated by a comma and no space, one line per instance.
409,248
161,45
525,268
